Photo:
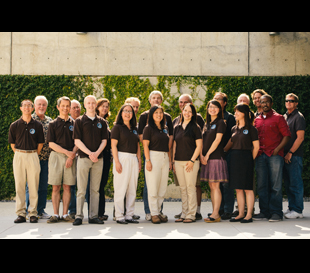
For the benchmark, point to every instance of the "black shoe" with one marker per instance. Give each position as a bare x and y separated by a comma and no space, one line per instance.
198,216
122,222
236,220
20,219
33,219
77,222
95,221
247,221
132,221
226,216
260,216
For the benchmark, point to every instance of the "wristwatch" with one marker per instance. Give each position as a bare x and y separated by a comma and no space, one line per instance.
290,152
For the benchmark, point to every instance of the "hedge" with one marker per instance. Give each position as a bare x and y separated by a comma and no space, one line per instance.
15,88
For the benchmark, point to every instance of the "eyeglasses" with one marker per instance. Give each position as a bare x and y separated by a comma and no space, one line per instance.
291,101
127,112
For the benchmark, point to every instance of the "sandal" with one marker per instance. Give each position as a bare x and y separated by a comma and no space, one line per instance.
187,220
212,220
180,220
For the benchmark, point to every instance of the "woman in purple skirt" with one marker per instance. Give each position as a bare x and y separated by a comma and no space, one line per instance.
214,166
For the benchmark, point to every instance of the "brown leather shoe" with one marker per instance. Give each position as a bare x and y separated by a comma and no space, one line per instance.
20,219
163,218
155,219
33,219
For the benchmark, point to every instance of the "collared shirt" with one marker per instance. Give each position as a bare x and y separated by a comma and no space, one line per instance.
128,139
26,136
271,131
296,122
200,121
159,139
90,132
46,151
242,138
60,131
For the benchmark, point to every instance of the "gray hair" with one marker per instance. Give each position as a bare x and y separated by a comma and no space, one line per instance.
76,101
156,92
41,97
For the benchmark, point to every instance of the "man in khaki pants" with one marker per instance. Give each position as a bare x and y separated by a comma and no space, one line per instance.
90,136
26,138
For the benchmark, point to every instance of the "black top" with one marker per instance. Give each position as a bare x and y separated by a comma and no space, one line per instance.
127,139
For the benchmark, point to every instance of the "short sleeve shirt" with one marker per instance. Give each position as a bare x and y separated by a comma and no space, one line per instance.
60,132
159,139
128,139
26,136
90,132
242,138
218,126
185,145
200,121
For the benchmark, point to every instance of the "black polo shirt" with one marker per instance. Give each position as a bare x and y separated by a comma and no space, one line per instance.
200,121
60,132
209,135
159,139
242,138
296,122
90,132
26,136
127,138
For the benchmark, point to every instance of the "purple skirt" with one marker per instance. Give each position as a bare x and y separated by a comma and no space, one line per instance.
215,171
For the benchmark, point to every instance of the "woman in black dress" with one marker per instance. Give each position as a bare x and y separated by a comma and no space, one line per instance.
245,145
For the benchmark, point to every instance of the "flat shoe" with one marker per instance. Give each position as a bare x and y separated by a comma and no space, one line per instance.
246,220
132,221
212,220
236,220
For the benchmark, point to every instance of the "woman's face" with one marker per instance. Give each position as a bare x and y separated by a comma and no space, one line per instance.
239,115
158,115
127,114
103,109
213,110
187,113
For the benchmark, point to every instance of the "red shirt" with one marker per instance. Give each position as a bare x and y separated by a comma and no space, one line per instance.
271,131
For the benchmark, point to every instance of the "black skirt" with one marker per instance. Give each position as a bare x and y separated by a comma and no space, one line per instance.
241,170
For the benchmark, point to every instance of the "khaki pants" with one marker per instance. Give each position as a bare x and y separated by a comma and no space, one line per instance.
125,184
187,181
157,180
85,168
26,167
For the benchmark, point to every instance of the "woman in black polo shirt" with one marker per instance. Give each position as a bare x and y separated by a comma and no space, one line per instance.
245,145
214,166
186,149
126,163
156,143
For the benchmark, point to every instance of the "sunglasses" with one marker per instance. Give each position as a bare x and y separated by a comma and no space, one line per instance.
291,101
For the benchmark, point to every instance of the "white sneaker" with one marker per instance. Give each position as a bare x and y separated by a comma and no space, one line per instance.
44,215
286,212
293,215
148,217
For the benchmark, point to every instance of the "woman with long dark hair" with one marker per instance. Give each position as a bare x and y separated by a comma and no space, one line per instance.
186,149
126,163
244,145
214,166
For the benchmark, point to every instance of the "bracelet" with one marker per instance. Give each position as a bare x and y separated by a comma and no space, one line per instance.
192,161
147,160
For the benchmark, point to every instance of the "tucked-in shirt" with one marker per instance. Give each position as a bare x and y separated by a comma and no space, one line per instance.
143,122
128,139
218,126
60,132
296,122
90,132
242,138
159,139
26,136
271,131
185,145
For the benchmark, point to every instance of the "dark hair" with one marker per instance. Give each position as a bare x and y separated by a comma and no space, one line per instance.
151,121
248,114
217,104
21,104
225,98
119,119
266,96
189,130
99,103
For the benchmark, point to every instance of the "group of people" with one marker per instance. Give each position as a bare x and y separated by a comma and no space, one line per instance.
75,152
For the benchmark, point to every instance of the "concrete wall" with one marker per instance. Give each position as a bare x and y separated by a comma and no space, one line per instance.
155,53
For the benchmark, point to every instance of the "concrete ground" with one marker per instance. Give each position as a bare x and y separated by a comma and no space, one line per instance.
286,229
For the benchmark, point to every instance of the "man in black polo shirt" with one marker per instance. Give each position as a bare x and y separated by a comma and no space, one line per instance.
26,138
90,136
62,162
293,158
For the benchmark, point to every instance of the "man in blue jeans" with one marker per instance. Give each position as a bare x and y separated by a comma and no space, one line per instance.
274,134
293,158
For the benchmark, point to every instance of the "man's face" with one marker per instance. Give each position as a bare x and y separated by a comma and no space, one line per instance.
40,107
90,104
155,99
75,110
266,104
256,99
26,108
183,100
220,98
243,99
290,103
64,107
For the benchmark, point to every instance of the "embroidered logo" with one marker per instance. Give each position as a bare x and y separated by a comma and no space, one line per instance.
71,127
245,132
32,131
213,126
165,131
135,132
99,125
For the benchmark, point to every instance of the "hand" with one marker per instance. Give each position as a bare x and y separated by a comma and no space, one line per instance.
69,162
140,165
204,159
170,166
70,154
189,166
149,166
275,151
118,167
288,158
93,157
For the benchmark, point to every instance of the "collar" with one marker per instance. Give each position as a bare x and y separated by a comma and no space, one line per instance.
269,114
36,117
61,119
293,113
22,121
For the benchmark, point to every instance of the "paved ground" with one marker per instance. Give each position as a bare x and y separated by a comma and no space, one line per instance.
296,229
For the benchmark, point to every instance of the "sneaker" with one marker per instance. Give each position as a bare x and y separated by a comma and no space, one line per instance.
53,219
287,211
275,218
67,219
148,217
44,215
293,215
198,216
260,216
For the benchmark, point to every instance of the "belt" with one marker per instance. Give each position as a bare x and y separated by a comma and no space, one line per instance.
26,151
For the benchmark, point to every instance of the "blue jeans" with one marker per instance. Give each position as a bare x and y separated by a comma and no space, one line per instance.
269,172
42,192
293,184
